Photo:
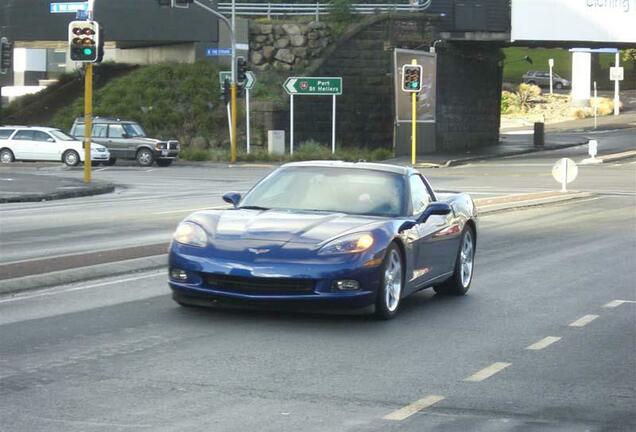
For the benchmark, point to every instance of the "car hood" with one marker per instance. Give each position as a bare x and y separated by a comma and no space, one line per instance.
281,226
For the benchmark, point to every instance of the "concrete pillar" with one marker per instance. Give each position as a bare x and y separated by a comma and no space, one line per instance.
581,78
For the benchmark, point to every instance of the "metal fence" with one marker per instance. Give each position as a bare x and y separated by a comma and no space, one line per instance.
316,9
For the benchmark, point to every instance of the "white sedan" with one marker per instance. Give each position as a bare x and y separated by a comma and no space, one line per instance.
45,144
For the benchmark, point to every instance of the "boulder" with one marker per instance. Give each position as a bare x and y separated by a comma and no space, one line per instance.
300,51
263,67
313,35
282,43
282,66
285,56
256,58
268,52
298,40
266,29
291,29
260,38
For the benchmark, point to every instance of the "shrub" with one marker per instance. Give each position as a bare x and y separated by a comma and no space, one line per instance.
509,102
341,11
526,93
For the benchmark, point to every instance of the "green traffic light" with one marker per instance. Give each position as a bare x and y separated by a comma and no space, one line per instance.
88,51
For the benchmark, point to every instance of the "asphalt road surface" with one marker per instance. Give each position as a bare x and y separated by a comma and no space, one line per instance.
119,355
151,201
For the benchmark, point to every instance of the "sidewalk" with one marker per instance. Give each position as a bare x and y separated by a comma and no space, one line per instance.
622,121
19,187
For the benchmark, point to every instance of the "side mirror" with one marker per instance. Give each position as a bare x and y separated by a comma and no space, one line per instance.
125,135
50,140
232,198
434,208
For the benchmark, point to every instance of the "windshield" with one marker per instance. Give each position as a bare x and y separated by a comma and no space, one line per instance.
133,130
62,136
354,191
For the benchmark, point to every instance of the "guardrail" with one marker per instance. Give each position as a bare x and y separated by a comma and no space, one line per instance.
316,9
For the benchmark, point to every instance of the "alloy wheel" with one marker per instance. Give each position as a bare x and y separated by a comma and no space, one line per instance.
393,281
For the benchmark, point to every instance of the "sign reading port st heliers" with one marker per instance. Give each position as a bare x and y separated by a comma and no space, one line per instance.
317,86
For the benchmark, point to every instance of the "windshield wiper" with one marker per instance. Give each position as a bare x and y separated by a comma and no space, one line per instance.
253,207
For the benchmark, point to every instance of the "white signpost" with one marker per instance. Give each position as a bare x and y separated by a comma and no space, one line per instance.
564,171
551,64
616,75
313,86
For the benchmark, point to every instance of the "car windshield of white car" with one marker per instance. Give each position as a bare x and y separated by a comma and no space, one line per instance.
330,189
62,136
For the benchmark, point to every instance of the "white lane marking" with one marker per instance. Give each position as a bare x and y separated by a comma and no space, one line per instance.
487,372
101,169
583,321
150,170
54,291
411,409
617,303
191,210
543,343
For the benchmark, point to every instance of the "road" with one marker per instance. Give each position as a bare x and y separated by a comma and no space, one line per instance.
150,202
119,355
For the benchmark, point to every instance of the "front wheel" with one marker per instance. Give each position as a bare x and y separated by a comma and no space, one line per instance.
71,158
558,86
459,282
145,158
6,156
390,292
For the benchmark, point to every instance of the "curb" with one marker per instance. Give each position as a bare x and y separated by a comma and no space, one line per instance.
81,274
94,190
498,207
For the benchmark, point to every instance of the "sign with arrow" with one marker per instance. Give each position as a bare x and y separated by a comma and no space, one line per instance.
316,86
247,85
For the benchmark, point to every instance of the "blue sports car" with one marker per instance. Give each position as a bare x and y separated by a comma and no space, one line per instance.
326,235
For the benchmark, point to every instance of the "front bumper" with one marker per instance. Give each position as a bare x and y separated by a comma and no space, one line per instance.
299,284
100,156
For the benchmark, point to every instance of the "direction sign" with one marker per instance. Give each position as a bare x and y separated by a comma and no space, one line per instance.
316,86
617,73
218,52
68,7
249,82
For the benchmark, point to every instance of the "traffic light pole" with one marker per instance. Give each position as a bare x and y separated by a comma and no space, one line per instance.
88,120
413,123
233,88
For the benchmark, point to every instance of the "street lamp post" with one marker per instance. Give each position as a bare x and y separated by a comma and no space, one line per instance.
233,88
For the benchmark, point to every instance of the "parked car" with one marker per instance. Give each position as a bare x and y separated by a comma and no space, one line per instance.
542,79
357,236
45,144
127,140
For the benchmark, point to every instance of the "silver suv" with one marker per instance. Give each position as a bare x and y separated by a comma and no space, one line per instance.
127,140
542,79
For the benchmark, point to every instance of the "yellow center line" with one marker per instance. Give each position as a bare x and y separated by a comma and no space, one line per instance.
487,372
583,321
543,343
411,409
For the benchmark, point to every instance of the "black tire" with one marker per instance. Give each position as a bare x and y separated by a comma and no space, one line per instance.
145,157
164,162
531,83
71,158
110,162
6,156
558,86
458,284
384,307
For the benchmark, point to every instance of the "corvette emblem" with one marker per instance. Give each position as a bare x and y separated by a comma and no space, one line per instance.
258,251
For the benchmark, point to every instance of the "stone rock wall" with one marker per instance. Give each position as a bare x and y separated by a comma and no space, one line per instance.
287,46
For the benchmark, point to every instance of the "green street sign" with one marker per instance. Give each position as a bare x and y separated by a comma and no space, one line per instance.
317,86
227,75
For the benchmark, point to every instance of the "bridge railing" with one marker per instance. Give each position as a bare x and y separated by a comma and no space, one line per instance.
317,9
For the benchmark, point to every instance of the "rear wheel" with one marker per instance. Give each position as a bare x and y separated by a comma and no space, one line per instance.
71,158
6,156
164,162
459,283
558,86
145,158
390,292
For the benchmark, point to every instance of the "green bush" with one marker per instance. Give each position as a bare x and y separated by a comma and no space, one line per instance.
341,11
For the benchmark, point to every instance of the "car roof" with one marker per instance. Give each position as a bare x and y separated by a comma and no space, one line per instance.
105,120
37,128
396,169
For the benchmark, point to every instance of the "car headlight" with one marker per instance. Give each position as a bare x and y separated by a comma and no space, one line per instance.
189,233
352,243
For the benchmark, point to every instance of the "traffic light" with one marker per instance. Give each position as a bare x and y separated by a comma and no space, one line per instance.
100,45
226,92
84,41
241,69
6,55
412,78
